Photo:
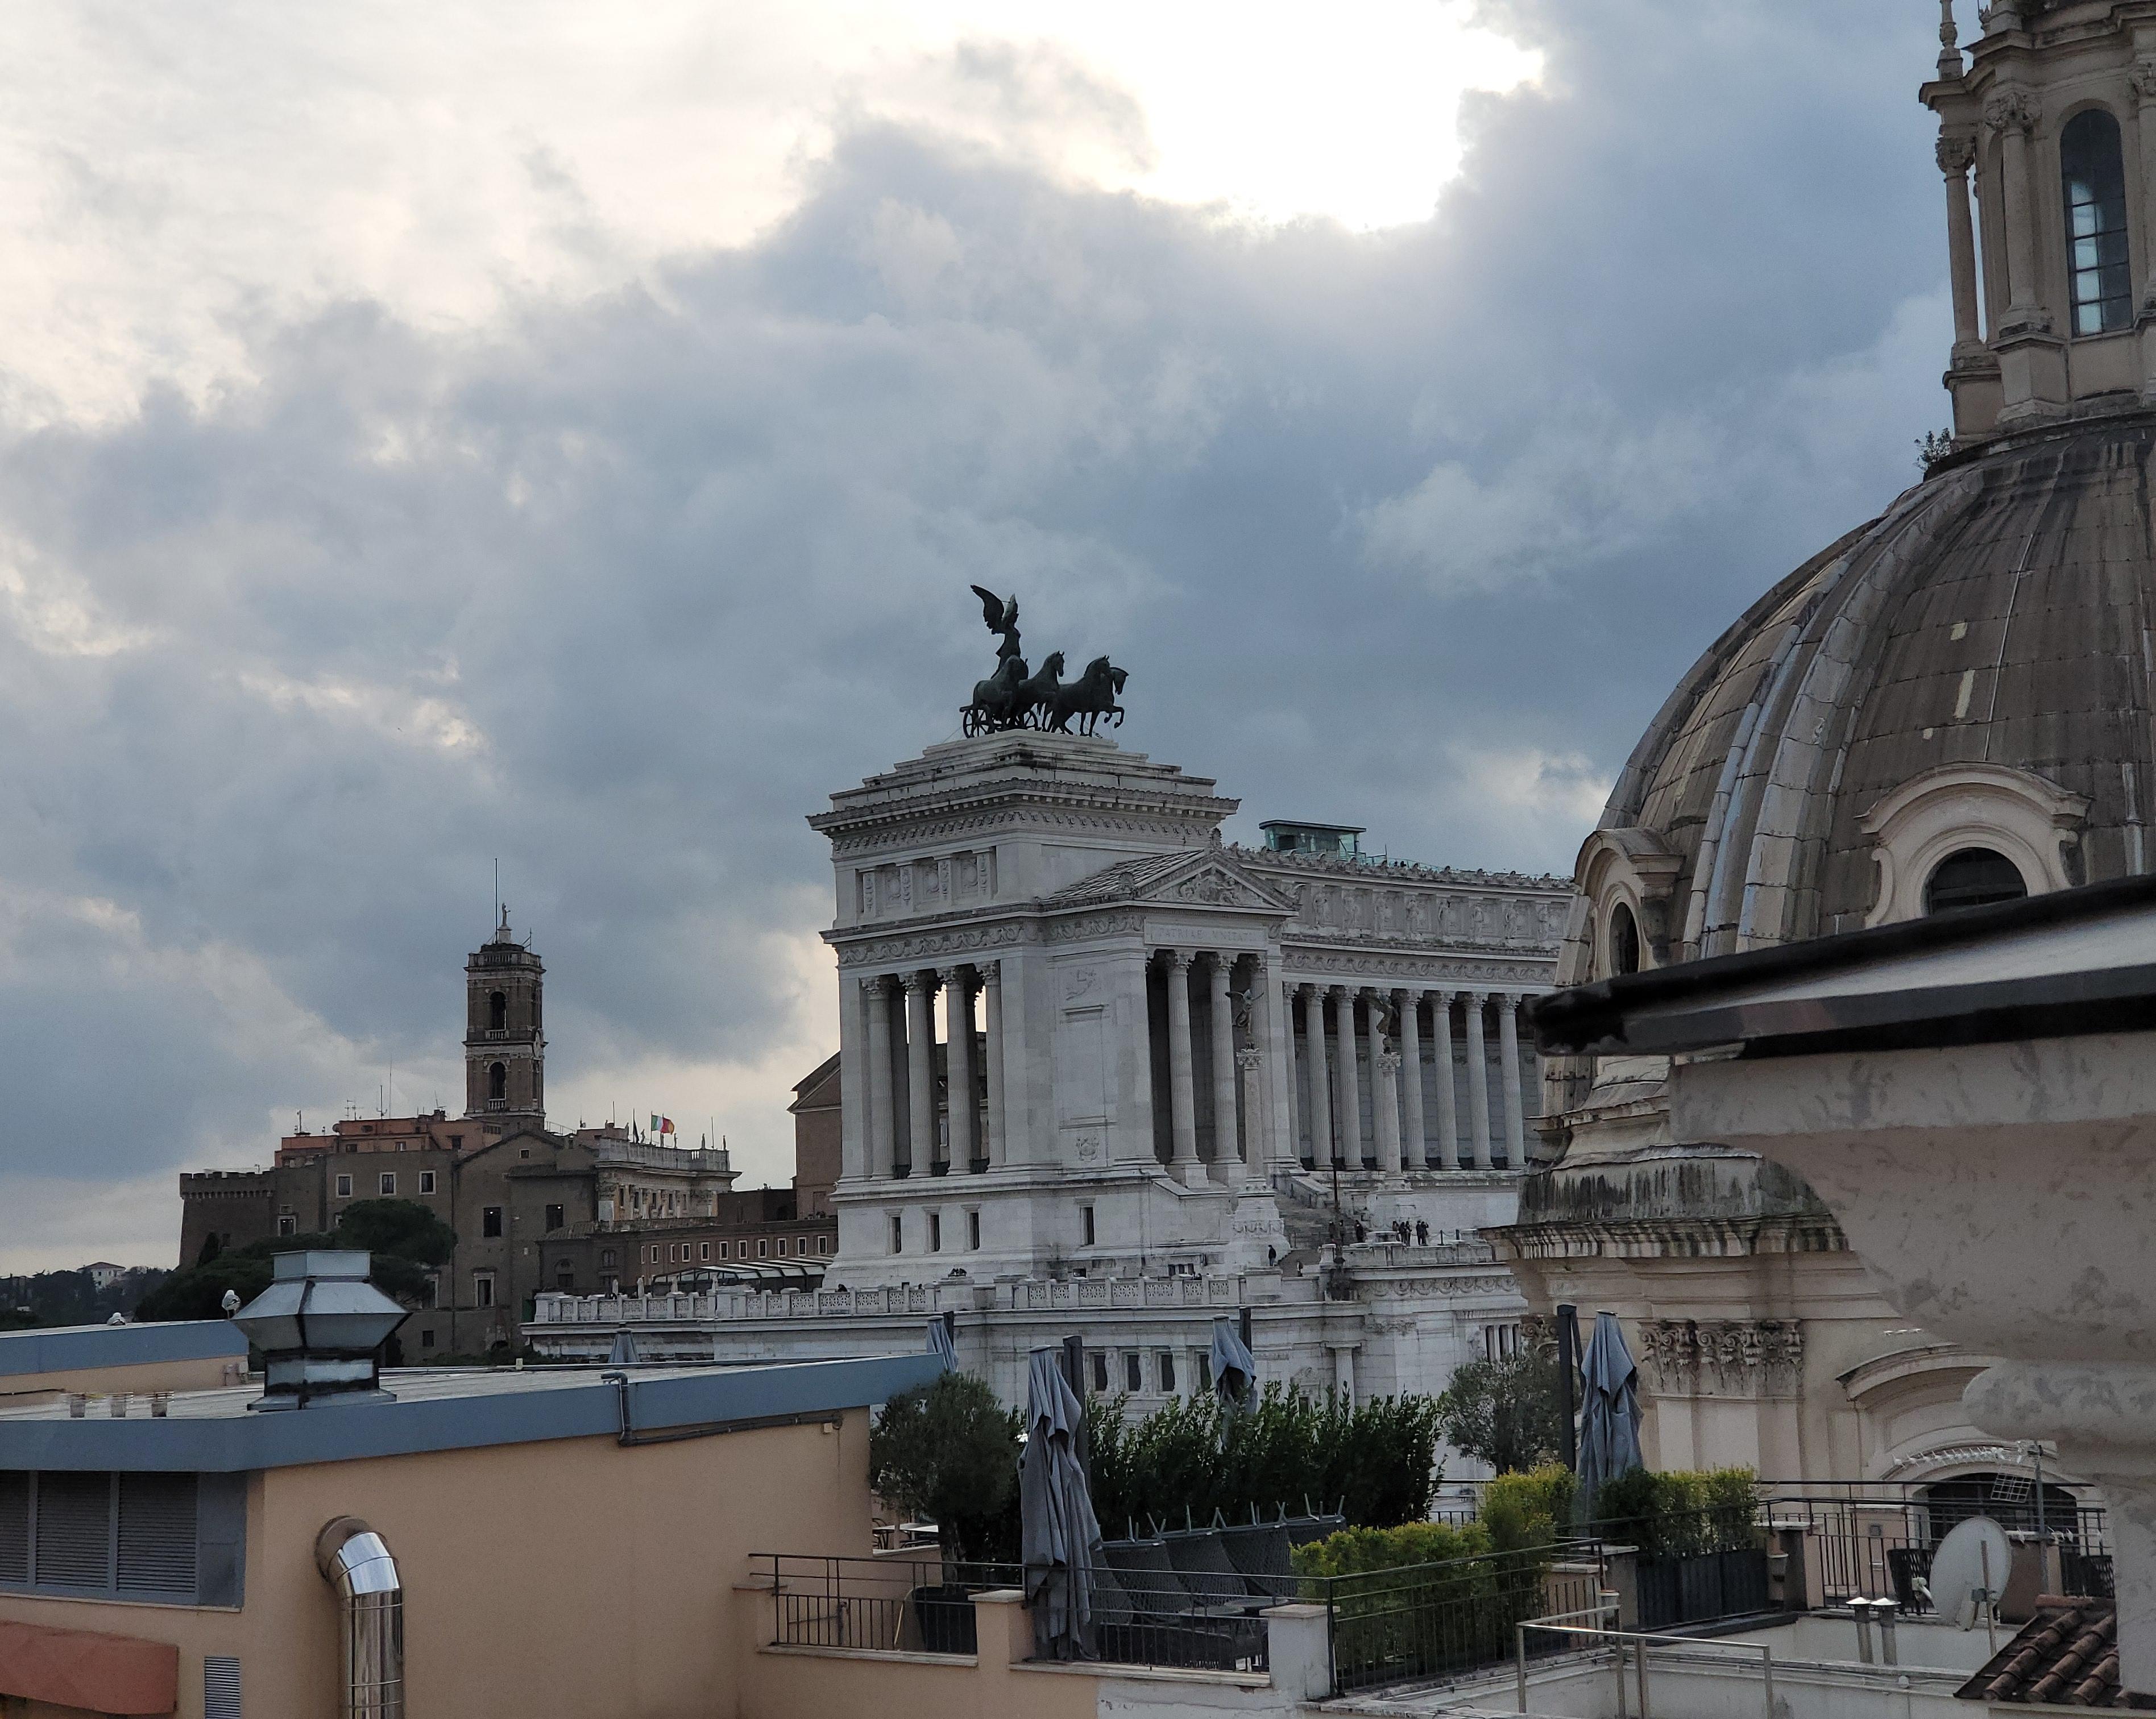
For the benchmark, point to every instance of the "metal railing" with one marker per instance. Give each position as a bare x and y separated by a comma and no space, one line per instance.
1878,1545
892,1604
1638,1641
1435,1620
922,1604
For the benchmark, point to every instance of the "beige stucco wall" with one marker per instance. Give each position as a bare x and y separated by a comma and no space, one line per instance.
20,1388
575,1578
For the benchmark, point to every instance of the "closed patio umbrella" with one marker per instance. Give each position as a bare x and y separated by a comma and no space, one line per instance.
623,1350
940,1344
1060,1538
1610,1413
1235,1369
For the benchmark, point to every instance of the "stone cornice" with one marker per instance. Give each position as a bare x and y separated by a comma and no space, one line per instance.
1674,1239
1402,873
1435,969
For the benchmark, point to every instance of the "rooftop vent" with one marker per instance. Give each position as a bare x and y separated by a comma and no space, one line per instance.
319,1326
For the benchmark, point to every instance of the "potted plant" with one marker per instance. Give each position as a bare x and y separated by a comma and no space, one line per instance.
948,1451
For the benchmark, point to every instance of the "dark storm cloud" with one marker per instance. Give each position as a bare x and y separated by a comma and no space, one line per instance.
1411,530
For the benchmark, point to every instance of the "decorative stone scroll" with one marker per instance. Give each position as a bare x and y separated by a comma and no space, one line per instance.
1724,1357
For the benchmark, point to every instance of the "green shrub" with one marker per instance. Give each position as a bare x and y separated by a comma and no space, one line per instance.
1679,1512
1531,1509
1188,1459
949,1451
1354,1552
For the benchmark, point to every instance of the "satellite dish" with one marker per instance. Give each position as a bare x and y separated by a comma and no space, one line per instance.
1972,1559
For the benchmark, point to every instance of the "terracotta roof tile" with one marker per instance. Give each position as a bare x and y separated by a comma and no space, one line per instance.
2068,1656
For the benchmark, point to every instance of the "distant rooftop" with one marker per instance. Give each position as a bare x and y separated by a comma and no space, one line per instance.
60,1348
1296,835
447,1409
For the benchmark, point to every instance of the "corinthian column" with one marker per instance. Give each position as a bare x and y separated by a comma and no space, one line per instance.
993,1146
2143,80
1956,154
883,1123
1347,1141
1412,1147
1225,1162
1321,1095
1509,1055
1182,1107
958,1066
1384,1109
2012,113
920,1070
1478,1081
1448,1103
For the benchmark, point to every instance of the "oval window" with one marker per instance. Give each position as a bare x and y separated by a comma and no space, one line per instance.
1973,877
1623,940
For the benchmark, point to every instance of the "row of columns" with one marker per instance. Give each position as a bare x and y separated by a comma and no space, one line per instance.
1336,1110
1230,1069
975,1140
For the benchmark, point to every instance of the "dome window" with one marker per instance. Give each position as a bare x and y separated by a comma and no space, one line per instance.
1973,877
1623,940
2093,176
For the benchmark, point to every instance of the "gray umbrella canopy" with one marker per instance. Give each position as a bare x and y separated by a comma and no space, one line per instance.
1060,1539
940,1344
1235,1369
623,1350
1609,1414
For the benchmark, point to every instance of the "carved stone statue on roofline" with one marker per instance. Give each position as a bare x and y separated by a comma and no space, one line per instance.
1013,697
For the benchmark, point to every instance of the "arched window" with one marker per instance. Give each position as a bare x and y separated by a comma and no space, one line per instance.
2093,174
497,1080
497,1012
1623,940
1973,877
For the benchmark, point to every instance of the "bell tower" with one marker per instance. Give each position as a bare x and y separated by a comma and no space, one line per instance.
2051,122
504,1045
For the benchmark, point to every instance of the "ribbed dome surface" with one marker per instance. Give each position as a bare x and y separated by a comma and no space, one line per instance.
1998,613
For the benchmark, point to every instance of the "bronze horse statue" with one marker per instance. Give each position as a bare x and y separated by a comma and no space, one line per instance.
999,701
1091,697
1038,692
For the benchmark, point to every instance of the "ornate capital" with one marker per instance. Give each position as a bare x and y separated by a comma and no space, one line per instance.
1956,154
992,975
918,979
2142,77
1508,1001
2014,109
1179,960
950,976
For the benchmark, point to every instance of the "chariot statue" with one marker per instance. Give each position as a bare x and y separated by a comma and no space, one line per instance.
1015,697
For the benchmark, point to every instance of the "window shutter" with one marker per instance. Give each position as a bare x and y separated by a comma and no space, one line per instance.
15,1526
220,1687
158,1534
75,1529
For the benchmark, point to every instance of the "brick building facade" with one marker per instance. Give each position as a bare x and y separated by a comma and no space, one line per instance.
532,1209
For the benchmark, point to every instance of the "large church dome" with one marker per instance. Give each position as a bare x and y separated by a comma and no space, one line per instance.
1952,703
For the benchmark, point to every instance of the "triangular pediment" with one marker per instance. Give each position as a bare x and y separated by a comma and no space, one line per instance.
1202,878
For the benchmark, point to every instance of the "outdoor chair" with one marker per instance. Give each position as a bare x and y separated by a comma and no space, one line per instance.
1148,1576
1202,1561
1166,1625
1258,1551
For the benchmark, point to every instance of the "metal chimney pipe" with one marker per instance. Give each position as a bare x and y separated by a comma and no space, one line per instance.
371,1623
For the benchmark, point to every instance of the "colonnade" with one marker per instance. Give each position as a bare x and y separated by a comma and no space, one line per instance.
1231,1071
900,1025
1385,1046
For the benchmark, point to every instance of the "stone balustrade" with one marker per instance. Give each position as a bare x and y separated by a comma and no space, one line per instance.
1035,1295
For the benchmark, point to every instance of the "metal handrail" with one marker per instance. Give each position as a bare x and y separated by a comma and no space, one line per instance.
1640,1639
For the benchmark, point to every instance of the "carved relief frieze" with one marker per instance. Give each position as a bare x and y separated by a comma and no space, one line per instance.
1080,928
925,945
1723,1358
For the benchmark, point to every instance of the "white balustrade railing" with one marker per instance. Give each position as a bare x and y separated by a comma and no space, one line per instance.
1040,1294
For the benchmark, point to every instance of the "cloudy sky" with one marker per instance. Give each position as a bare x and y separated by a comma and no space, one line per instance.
567,433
